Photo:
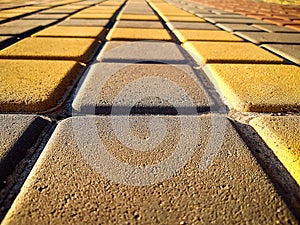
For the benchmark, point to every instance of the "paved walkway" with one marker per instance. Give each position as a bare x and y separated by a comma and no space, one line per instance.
149,112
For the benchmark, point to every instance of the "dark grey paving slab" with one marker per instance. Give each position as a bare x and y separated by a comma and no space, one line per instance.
139,51
264,37
17,134
234,20
191,26
237,27
84,22
291,52
274,28
137,24
160,83
86,174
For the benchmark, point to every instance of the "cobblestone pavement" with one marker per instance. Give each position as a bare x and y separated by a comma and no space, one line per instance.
149,112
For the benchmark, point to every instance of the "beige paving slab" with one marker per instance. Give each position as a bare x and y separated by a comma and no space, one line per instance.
91,16
191,26
237,27
258,88
138,17
182,19
17,134
138,34
71,31
229,52
79,49
205,35
45,16
291,52
84,22
35,85
73,185
138,24
274,28
282,135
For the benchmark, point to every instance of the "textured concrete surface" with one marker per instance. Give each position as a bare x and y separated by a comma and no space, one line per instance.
138,34
258,88
17,134
291,52
282,135
63,184
229,52
34,85
205,35
180,89
191,26
81,49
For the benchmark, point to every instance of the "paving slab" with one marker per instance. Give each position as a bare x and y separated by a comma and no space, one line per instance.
58,11
65,185
157,79
71,31
91,16
235,20
257,88
291,52
274,28
79,49
20,23
182,19
191,26
84,22
138,24
17,134
282,135
263,37
138,34
3,39
45,16
12,30
205,35
142,17
229,52
35,85
237,27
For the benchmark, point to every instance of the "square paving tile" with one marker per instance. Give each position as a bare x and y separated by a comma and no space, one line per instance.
237,27
142,17
183,19
191,26
274,28
91,16
138,24
235,20
84,22
291,52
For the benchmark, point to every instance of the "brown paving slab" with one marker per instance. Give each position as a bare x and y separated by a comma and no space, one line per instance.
236,27
71,31
295,27
35,85
257,87
80,49
229,52
191,26
282,135
17,134
291,52
84,22
138,24
263,37
64,185
273,28
205,35
138,34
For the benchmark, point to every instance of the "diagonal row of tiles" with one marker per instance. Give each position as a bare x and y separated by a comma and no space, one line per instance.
44,194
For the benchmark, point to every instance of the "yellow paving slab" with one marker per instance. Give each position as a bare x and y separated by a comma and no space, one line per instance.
282,135
138,34
70,31
137,17
10,14
98,10
260,88
229,52
183,19
92,16
34,85
205,35
79,49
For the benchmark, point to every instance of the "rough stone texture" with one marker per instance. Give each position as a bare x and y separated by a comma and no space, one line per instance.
71,31
63,187
138,34
273,28
229,52
258,88
141,51
80,49
34,85
236,27
142,17
191,26
205,35
138,24
17,134
263,37
165,87
291,52
282,135
190,18
84,22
